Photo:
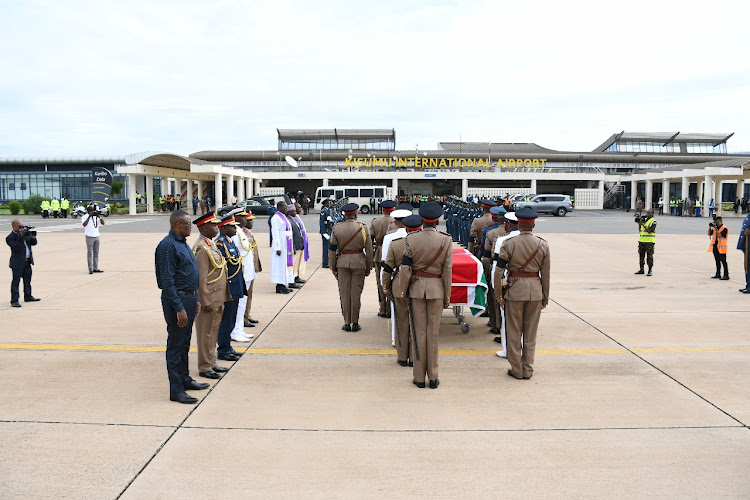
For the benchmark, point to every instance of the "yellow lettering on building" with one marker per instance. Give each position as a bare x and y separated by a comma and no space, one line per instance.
442,163
348,162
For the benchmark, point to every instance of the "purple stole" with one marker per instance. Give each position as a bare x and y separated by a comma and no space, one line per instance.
304,237
289,249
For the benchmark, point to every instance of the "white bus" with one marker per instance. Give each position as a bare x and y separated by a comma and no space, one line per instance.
357,194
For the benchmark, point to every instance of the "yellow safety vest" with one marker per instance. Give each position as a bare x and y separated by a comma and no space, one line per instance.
645,236
55,204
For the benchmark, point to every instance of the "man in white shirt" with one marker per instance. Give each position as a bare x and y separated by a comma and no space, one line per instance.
91,222
500,275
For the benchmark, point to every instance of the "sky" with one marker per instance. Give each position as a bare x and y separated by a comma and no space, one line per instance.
105,77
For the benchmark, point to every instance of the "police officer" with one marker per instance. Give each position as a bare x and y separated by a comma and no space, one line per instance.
64,207
350,257
646,240
426,281
212,294
325,230
527,258
379,227
235,284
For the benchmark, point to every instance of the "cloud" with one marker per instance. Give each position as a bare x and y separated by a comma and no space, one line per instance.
108,77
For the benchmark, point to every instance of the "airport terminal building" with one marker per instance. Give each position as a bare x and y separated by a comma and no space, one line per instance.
624,165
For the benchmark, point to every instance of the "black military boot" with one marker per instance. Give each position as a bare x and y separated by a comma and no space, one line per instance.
649,272
640,271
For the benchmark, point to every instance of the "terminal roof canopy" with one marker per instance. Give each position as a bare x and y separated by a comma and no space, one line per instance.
494,147
336,133
663,138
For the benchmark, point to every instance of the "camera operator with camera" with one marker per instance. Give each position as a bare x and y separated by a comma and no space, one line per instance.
20,241
646,240
91,222
719,234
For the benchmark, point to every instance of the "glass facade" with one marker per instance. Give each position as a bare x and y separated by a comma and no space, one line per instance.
363,144
672,147
75,186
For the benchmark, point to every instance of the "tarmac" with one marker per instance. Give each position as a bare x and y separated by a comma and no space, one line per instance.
639,390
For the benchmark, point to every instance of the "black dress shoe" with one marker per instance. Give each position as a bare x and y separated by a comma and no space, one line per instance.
183,398
418,384
716,276
220,369
382,315
499,340
283,290
195,386
299,280
326,267
494,331
235,353
346,328
746,290
31,299
249,325
510,374
210,374
293,285
402,363
16,304
724,278
434,384
356,327
254,321
91,272
98,271
229,357
640,272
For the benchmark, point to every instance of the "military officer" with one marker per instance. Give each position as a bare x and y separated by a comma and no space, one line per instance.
235,284
249,218
393,250
426,280
350,258
498,278
489,235
478,225
527,258
379,227
212,294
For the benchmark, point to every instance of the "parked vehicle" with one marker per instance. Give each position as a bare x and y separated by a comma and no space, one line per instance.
357,194
258,205
556,204
79,210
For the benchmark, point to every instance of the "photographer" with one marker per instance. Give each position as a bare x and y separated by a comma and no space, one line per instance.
719,234
20,241
91,223
646,240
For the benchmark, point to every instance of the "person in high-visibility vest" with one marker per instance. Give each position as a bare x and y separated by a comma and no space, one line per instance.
719,234
55,207
698,207
64,206
162,203
45,208
646,240
672,206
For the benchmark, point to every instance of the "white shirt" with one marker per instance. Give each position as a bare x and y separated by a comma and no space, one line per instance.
92,228
498,245
398,233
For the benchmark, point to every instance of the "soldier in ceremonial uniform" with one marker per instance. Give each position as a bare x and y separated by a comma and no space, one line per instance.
393,254
350,258
527,258
249,218
235,284
426,281
489,235
478,225
379,227
212,294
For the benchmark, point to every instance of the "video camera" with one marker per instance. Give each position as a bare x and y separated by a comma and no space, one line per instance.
28,231
640,219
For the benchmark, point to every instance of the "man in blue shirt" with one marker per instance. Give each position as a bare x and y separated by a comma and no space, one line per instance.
177,277
325,213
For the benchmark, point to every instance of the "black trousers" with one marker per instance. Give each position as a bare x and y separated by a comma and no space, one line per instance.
19,274
720,258
226,326
178,343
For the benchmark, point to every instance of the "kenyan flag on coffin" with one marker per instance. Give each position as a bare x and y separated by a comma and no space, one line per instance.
469,285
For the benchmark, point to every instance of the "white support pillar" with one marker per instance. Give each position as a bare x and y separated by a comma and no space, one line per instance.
131,194
464,189
150,194
665,195
164,186
249,187
256,184
394,187
685,188
601,194
707,191
633,193
200,189
740,192
649,194
325,182
533,186
230,188
240,188
217,192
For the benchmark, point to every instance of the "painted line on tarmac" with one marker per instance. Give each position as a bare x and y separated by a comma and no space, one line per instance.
373,352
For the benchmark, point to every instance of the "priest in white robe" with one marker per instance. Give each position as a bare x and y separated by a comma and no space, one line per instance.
282,252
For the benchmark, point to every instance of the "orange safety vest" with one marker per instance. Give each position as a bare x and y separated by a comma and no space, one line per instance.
722,246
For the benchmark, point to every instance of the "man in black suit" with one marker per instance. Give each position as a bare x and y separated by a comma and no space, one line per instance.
20,242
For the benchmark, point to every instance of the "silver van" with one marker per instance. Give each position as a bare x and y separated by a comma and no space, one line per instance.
556,204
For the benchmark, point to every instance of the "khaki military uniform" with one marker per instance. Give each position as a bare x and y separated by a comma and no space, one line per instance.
258,268
478,226
390,278
351,261
378,229
489,250
429,282
526,296
212,291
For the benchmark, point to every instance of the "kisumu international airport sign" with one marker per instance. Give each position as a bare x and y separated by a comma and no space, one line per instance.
420,162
